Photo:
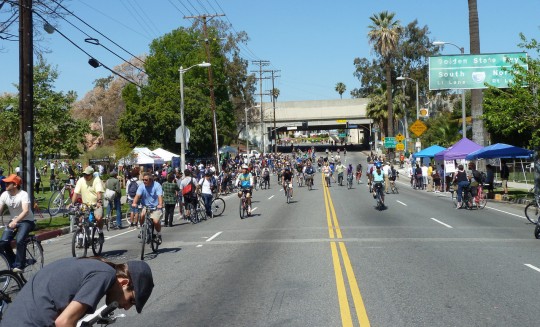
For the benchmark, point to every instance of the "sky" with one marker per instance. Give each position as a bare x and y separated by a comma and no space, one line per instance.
312,43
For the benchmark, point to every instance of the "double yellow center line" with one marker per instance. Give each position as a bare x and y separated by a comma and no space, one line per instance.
334,232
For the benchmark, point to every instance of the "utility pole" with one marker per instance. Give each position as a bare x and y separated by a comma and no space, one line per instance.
261,63
204,19
26,95
274,104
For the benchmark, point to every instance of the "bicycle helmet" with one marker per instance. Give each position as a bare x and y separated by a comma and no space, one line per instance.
378,164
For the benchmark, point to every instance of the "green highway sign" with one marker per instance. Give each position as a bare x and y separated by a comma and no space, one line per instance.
390,142
342,135
472,71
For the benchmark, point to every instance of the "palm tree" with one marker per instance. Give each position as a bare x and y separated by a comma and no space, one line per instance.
376,108
476,94
275,94
384,36
341,88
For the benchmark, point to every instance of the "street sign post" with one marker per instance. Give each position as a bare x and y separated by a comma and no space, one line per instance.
472,71
400,137
389,142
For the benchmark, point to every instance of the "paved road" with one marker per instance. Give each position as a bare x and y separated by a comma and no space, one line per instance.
330,259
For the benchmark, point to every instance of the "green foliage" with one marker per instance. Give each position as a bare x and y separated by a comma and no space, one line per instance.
10,144
515,112
153,114
340,88
442,130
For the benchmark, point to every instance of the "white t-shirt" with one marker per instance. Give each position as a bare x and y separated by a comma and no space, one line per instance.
205,186
14,204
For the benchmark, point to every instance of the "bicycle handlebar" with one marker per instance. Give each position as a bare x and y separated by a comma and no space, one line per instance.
102,317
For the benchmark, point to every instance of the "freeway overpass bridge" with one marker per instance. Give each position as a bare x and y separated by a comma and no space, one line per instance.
317,115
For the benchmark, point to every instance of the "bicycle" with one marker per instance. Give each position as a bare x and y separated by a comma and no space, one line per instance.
300,179
358,177
349,181
197,213
244,212
288,191
309,182
38,215
148,232
86,235
466,200
103,316
393,187
34,257
10,285
532,211
379,196
59,202
218,206
340,179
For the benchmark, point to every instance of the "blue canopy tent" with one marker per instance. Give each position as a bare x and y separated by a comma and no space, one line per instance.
499,150
429,152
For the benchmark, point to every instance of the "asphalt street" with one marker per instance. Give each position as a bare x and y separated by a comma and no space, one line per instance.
330,258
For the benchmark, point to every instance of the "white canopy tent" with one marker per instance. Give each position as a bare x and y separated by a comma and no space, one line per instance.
142,156
166,155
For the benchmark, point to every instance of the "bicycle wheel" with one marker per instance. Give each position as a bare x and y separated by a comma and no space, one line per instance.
537,232
395,189
154,242
78,243
97,246
482,201
56,202
193,216
144,235
4,263
454,198
34,258
241,209
532,212
218,207
288,195
10,285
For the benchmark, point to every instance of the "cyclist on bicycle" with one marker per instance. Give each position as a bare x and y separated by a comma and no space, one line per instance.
299,171
151,195
378,181
245,181
462,182
67,289
286,179
21,221
349,173
266,175
90,189
309,171
359,173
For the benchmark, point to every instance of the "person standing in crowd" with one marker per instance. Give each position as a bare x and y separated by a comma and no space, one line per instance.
170,196
206,186
132,185
490,176
113,184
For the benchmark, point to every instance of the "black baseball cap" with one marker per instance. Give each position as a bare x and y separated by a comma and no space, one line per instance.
143,283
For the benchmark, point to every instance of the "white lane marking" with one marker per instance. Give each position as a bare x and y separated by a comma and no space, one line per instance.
509,213
254,209
401,202
199,246
270,198
440,222
214,236
113,236
532,267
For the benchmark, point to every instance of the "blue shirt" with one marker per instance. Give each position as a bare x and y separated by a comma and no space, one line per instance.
149,194
378,177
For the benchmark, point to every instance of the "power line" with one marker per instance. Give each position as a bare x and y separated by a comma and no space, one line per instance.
146,29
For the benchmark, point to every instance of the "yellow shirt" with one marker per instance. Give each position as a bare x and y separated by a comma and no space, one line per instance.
429,170
89,189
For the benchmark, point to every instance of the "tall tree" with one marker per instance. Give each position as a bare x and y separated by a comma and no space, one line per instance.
384,35
275,93
476,94
10,145
341,88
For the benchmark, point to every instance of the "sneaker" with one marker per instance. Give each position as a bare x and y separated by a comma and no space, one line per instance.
159,239
101,239
139,236
17,270
131,225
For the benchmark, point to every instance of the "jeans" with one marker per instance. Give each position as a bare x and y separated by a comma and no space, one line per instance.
169,213
118,208
461,186
207,198
23,229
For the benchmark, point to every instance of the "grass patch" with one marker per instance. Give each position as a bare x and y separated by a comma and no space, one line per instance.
56,223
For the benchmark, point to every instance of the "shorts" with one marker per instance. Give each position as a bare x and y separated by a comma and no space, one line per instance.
505,183
155,215
131,209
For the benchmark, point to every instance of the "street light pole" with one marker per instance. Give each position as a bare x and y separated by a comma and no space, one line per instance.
182,125
247,132
463,113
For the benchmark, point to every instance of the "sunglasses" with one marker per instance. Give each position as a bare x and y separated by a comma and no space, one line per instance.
146,180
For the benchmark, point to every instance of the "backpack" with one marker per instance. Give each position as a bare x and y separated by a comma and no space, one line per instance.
132,189
479,177
189,190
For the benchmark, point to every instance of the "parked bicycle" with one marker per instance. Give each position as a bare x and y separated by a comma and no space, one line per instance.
532,211
86,233
218,206
10,285
60,200
148,232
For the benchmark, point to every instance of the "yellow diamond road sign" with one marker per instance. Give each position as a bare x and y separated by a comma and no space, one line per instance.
418,127
400,146
400,137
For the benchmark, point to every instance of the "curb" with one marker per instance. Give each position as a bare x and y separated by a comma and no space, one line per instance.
52,234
